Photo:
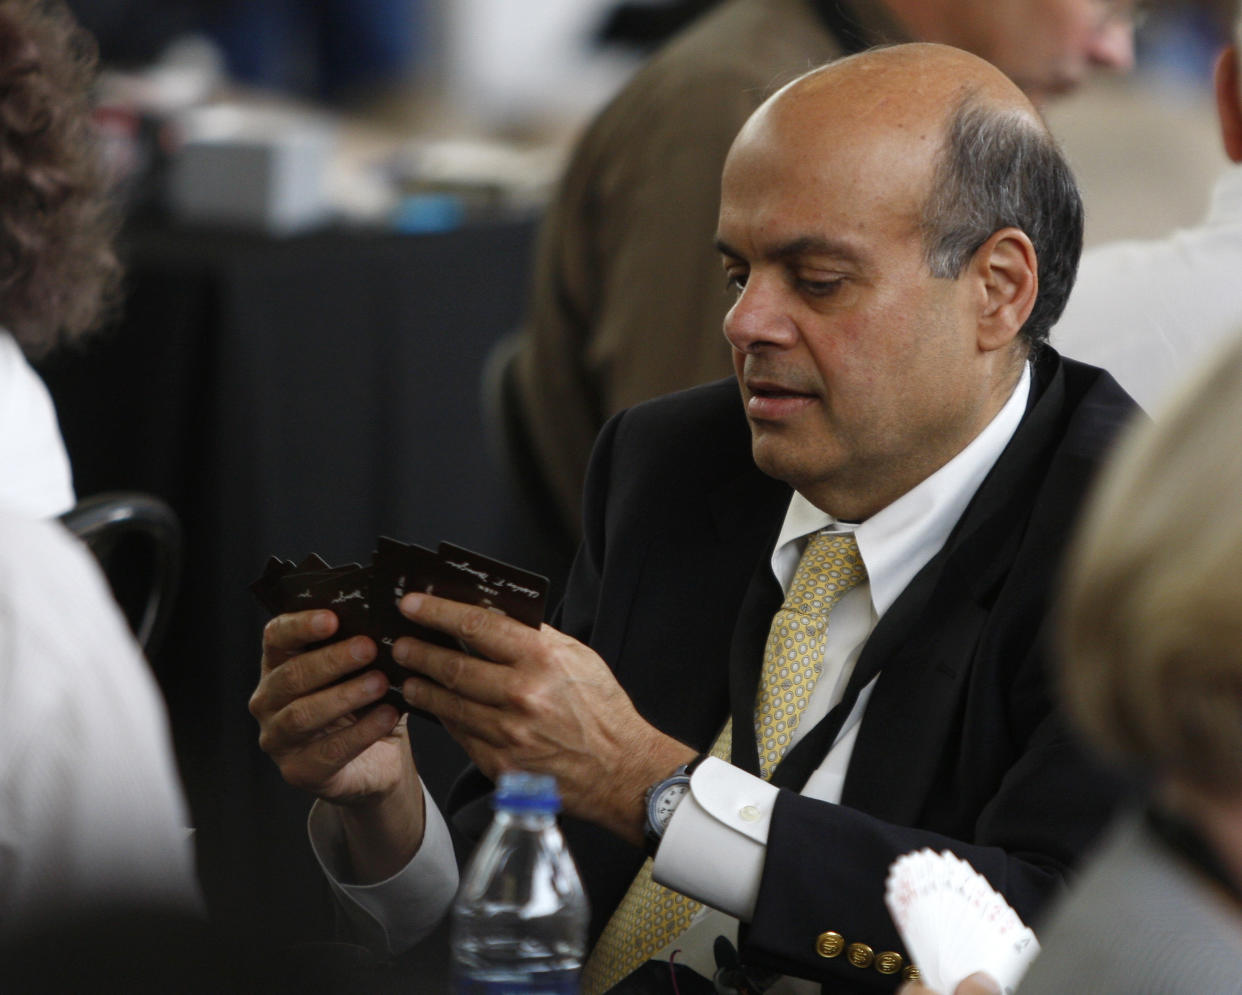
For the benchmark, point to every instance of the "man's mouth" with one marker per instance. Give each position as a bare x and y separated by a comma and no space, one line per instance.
770,400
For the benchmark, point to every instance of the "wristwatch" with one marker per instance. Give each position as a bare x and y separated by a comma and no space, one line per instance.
662,800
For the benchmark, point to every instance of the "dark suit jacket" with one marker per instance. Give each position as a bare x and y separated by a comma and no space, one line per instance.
960,745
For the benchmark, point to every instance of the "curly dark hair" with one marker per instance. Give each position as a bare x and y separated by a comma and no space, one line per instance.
58,268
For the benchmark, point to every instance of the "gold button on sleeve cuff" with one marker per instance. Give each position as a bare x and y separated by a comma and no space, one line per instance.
888,962
860,955
911,973
829,944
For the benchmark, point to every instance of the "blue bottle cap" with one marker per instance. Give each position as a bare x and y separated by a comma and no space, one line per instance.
521,791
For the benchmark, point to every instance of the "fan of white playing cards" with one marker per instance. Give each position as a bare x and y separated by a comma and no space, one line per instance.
954,923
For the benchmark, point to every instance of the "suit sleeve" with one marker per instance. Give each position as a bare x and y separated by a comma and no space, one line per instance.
826,864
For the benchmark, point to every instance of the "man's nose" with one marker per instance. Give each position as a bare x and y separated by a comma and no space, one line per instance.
758,317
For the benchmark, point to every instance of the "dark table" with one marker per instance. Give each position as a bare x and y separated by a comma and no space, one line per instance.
288,396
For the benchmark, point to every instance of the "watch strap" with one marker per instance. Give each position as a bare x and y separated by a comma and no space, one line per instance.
651,834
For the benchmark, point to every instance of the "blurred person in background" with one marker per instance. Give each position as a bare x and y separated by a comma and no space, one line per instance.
627,301
57,265
1151,670
93,821
1148,311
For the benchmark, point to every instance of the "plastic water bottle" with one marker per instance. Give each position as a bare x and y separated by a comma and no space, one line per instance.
520,915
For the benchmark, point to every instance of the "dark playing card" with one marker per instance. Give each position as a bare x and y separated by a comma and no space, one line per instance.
295,587
266,587
365,598
396,569
476,579
314,561
346,590
343,590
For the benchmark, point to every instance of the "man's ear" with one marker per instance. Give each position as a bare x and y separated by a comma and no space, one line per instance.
1007,272
1229,102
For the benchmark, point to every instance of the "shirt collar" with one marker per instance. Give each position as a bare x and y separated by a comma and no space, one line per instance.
896,542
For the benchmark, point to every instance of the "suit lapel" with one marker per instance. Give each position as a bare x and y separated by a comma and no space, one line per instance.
929,642
749,513
922,646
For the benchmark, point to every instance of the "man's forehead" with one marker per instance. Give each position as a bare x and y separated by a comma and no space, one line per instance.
912,88
856,104
873,166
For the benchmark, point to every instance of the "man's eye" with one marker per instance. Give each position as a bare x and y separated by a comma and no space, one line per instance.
735,282
821,288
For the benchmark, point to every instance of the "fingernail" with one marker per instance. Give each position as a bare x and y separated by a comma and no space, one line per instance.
400,651
376,683
411,603
359,650
409,691
321,624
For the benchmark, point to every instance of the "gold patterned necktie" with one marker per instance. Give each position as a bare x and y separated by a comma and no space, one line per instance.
794,656
651,916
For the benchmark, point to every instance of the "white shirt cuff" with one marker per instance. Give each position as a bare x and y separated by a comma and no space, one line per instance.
396,913
722,822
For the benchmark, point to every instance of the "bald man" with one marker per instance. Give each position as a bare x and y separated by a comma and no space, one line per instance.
902,467
627,301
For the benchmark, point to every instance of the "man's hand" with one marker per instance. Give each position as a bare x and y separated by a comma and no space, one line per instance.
542,702
325,741
977,984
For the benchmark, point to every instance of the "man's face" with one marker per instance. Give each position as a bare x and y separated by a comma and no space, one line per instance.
1048,47
860,371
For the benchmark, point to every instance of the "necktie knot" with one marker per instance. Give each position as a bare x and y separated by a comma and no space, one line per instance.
829,567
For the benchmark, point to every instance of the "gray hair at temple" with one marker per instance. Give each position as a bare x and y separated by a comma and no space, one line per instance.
1151,633
999,169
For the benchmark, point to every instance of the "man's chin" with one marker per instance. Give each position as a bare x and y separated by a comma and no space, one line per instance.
778,459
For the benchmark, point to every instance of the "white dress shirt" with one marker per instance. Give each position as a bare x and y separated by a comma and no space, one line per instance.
34,467
1149,311
723,821
91,808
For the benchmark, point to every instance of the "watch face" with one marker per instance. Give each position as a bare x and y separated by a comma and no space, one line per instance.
665,803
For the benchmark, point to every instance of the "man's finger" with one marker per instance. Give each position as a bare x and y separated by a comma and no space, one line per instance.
455,711
319,668
305,719
491,633
287,635
308,672
323,758
479,680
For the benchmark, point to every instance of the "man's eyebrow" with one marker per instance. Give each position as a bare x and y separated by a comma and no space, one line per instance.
804,245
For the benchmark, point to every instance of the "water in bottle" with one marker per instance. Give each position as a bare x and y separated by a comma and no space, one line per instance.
520,915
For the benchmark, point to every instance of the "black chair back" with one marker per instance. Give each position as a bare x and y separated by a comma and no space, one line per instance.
137,540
